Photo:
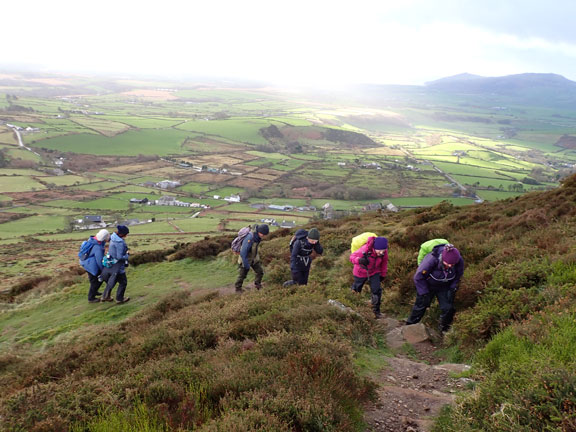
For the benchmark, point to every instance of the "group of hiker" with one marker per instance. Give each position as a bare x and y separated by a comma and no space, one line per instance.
440,267
107,267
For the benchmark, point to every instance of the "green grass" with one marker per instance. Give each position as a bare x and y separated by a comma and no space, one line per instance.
41,321
161,142
428,201
32,225
241,130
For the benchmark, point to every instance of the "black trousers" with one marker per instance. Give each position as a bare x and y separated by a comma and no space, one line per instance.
446,303
242,273
375,289
94,285
301,276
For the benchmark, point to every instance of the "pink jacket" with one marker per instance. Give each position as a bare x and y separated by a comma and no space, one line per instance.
376,264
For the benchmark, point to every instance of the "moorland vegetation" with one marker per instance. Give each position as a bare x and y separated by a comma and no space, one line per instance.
284,359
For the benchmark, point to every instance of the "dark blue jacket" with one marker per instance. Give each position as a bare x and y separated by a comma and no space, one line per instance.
249,250
118,250
93,264
432,276
300,258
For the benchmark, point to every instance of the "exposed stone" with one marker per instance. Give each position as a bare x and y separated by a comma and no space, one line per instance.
415,333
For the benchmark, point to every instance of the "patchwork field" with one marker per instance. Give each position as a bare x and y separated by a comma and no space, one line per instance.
91,155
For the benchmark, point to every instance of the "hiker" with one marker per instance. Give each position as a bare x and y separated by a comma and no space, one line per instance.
302,247
438,275
93,263
249,257
371,264
118,251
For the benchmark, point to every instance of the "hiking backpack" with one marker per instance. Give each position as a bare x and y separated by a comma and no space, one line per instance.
360,240
301,234
85,250
236,245
428,246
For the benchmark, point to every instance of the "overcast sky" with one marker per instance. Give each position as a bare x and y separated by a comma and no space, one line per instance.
297,42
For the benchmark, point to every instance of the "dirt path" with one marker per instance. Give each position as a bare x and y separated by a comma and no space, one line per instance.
412,390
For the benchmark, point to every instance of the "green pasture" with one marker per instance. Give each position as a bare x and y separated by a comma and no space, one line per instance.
19,153
428,201
97,186
5,198
20,172
100,124
66,313
464,169
198,224
493,195
196,188
227,191
19,183
108,203
487,182
132,143
240,130
32,225
65,180
292,121
132,189
144,122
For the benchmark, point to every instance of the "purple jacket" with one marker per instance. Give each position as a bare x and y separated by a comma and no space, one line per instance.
376,264
432,276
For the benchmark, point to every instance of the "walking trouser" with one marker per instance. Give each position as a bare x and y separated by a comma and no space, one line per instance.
242,273
375,289
122,284
301,276
94,285
446,303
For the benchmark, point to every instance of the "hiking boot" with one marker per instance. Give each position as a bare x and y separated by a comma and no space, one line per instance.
98,294
94,301
106,299
239,290
124,300
289,283
354,291
258,287
377,315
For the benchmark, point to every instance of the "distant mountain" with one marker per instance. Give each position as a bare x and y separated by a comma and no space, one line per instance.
545,89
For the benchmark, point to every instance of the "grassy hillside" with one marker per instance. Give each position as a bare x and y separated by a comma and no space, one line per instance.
186,355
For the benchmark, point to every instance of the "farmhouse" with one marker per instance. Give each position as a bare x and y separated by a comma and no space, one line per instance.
232,198
138,200
168,184
281,207
169,201
372,206
391,207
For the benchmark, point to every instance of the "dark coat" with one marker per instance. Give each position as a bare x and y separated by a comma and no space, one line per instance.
300,258
432,276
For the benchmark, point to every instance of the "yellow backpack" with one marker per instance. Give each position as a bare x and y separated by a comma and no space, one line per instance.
360,240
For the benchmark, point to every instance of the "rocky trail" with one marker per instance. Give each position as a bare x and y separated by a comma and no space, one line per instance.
412,390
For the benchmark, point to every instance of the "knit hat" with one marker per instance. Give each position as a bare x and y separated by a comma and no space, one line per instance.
314,234
103,235
380,243
263,229
450,255
123,230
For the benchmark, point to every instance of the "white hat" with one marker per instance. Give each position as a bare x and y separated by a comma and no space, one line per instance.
103,235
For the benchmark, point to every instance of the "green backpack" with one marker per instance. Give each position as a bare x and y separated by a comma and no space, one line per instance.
426,247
